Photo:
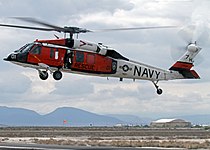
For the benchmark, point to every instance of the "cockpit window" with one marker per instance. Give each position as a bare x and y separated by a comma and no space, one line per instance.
36,50
25,48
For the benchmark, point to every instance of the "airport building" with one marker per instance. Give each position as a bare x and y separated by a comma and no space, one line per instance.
170,123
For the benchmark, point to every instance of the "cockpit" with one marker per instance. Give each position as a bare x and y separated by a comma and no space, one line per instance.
25,48
21,54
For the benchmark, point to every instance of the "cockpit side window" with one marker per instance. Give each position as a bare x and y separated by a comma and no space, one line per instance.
25,48
36,50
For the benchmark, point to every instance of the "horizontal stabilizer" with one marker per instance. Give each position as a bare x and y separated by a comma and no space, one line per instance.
184,69
190,74
179,66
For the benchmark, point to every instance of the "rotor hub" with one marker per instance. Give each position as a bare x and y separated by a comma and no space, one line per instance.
192,48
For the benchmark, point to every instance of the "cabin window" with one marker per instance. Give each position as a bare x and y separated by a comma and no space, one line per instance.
90,59
52,53
36,50
79,57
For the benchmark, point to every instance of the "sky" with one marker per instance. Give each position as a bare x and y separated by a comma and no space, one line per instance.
21,87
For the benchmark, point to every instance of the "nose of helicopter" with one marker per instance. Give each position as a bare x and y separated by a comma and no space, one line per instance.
5,59
10,57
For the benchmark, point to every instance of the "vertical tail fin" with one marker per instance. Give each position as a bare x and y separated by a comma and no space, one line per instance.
185,63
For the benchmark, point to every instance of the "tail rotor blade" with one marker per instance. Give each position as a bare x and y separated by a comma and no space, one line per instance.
198,33
190,34
187,33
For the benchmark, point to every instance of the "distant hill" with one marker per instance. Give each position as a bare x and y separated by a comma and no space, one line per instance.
78,117
132,119
69,116
61,116
18,116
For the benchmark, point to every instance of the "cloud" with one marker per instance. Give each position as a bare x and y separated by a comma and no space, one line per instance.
12,86
73,86
39,87
12,82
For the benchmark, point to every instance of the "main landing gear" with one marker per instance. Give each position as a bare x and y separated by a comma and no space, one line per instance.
57,75
43,75
159,91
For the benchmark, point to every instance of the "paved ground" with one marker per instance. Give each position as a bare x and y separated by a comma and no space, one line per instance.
108,138
57,147
102,132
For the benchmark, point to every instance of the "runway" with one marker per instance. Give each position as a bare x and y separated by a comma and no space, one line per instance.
11,146
101,138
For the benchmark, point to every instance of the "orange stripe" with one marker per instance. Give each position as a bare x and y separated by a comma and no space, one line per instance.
36,58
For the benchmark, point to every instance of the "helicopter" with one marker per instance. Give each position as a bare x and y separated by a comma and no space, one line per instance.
87,58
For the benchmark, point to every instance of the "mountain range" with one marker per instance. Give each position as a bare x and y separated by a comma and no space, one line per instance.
61,116
69,116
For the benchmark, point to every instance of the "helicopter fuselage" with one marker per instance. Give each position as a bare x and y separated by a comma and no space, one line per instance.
43,56
80,57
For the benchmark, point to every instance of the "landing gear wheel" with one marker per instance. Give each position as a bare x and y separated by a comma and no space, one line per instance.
57,75
43,75
159,91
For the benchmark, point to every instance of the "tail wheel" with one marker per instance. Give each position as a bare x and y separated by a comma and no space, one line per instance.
57,75
159,91
43,75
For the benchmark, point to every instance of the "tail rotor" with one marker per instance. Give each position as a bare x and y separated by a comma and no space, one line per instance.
196,34
192,38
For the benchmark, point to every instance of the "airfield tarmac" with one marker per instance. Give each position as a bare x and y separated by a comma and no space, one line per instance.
59,147
54,147
105,138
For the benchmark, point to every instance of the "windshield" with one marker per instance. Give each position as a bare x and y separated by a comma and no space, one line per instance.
25,48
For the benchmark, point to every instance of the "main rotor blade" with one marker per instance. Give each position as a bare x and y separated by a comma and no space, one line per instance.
134,28
71,30
27,27
35,21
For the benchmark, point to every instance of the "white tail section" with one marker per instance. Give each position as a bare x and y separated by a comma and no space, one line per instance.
192,51
185,63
